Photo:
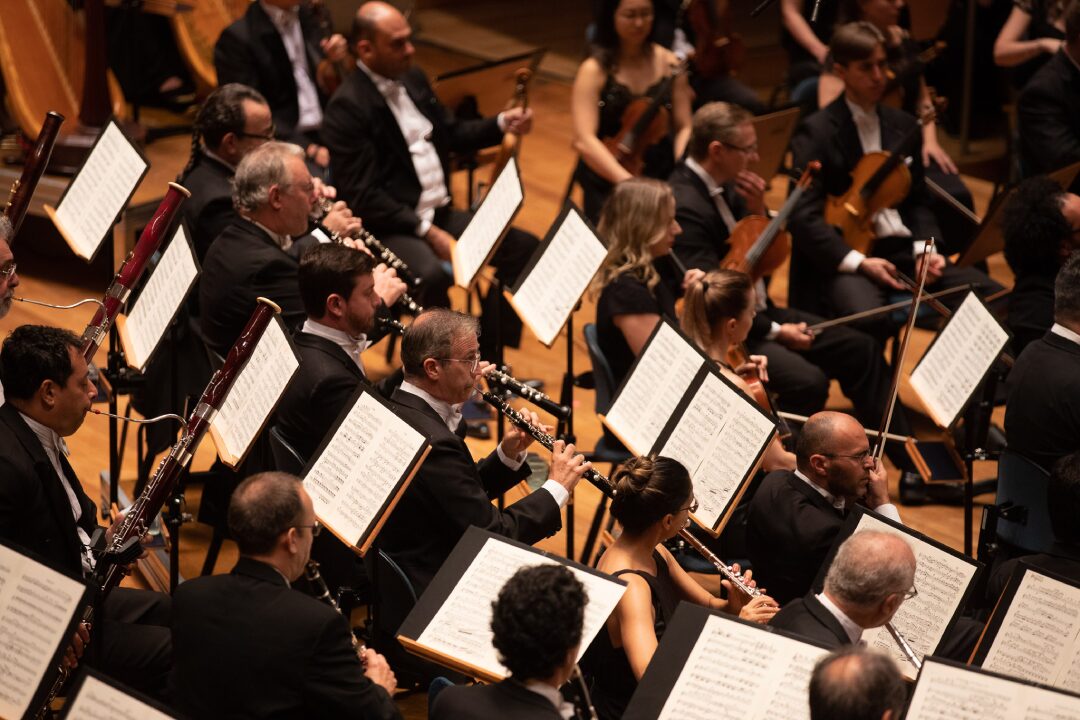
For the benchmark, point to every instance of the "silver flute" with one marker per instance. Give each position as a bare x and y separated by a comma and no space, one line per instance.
904,645
501,376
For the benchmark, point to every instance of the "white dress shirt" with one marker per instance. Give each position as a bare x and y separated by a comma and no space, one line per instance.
885,510
1065,332
282,241
553,696
854,630
353,346
287,23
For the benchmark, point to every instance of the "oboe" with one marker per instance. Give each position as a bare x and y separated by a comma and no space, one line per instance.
500,376
389,325
311,572
604,485
905,646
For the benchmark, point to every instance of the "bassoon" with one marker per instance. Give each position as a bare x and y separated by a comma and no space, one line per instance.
22,190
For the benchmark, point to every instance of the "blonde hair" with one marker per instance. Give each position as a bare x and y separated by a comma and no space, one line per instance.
720,295
635,216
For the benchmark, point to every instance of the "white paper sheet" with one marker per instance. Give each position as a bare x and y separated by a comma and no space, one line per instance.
487,225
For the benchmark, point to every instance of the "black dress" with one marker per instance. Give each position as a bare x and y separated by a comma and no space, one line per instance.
628,294
607,667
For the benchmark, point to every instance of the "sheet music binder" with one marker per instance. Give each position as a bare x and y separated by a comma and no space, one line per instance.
460,277
87,674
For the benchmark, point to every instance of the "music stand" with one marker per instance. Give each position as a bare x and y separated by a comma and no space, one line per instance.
774,133
489,83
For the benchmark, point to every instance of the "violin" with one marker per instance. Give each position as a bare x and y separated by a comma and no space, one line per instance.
901,72
758,245
511,143
737,355
879,180
718,52
645,122
329,74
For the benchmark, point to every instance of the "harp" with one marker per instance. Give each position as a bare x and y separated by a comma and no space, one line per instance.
196,32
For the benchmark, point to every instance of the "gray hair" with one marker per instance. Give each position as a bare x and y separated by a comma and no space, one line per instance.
853,683
263,507
870,566
261,168
6,229
432,335
715,122
1067,290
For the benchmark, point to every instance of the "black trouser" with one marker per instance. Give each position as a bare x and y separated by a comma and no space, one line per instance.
727,89
131,641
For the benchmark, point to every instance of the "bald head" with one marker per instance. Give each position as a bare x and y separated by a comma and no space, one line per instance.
871,569
854,683
823,432
382,39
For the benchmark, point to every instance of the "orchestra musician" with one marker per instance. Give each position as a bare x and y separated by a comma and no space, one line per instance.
1032,34
44,508
807,43
856,683
247,645
653,501
275,48
9,278
536,624
391,140
625,69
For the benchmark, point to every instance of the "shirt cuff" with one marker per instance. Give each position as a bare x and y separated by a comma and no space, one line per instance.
501,121
851,262
774,330
557,491
512,463
889,510
422,228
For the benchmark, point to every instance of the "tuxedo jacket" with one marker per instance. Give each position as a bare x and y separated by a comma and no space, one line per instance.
790,528
251,51
35,512
506,699
1042,417
209,210
830,137
243,264
806,616
370,162
449,493
246,645
1047,110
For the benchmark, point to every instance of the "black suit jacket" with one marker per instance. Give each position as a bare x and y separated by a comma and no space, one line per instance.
1048,109
790,528
370,162
250,51
243,264
830,136
806,616
246,645
35,512
1042,417
451,492
506,699
209,210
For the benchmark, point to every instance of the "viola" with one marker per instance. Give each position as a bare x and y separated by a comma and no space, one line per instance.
718,52
645,122
329,74
901,72
511,143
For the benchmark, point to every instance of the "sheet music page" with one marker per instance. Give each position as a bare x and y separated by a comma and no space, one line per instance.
462,626
955,364
487,225
161,297
36,607
100,190
99,700
946,692
734,667
941,580
1038,637
555,284
254,393
356,473
717,439
659,380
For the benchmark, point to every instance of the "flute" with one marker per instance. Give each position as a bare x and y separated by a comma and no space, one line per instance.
905,646
604,485
500,376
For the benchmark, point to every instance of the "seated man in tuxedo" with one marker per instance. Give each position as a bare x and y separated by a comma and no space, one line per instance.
795,515
390,141
870,577
828,276
854,683
1049,105
44,509
1042,417
1041,228
536,629
248,645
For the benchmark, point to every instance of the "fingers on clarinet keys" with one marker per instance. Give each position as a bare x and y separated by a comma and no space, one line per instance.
568,466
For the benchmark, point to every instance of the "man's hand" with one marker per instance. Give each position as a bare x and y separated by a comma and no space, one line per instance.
880,271
751,187
341,220
518,120
877,491
567,465
795,336
378,671
322,190
935,268
388,286
440,241
935,153
318,155
516,440
335,47
75,650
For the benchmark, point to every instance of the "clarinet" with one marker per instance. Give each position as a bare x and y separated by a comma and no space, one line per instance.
604,485
132,269
501,376
314,576
22,190
389,325
141,514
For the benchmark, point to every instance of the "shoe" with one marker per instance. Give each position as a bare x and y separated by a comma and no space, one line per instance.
913,491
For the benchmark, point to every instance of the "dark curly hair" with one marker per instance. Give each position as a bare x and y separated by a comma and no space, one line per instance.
647,489
33,354
1034,227
537,619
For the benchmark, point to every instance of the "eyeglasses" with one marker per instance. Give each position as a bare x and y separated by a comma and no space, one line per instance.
858,457
911,593
315,529
639,15
692,507
7,270
747,149
473,360
256,136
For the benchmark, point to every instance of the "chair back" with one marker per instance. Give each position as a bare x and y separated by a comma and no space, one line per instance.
602,375
286,459
1024,484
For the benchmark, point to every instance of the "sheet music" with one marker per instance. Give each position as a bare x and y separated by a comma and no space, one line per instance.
100,191
36,607
1038,638
555,284
254,394
363,462
717,439
947,692
955,364
665,369
941,580
97,700
160,299
462,626
734,667
487,224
